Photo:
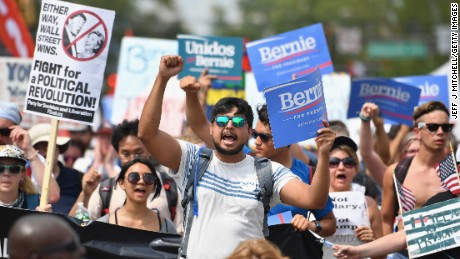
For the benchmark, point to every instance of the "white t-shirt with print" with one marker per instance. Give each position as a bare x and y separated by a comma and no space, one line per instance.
228,209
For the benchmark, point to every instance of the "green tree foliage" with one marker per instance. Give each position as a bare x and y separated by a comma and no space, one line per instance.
379,21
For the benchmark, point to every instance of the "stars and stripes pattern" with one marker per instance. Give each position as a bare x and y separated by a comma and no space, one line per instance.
447,171
406,197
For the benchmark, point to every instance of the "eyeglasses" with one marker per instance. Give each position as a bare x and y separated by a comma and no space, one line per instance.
5,132
433,127
237,121
126,156
263,136
348,162
135,177
13,169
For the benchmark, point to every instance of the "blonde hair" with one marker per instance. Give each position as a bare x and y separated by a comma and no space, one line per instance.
407,140
257,249
27,186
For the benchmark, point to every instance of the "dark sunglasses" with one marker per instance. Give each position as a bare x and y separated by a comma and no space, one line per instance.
135,177
348,162
237,121
264,137
433,127
5,132
13,169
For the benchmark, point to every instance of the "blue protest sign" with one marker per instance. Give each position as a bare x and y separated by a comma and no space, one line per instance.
280,218
434,88
221,55
296,109
280,58
396,100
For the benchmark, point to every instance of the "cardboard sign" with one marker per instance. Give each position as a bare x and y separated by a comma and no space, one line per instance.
350,209
221,55
69,61
433,228
283,57
395,100
296,109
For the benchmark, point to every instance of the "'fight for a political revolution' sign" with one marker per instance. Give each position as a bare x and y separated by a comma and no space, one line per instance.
433,228
283,57
434,88
395,100
221,55
69,61
296,109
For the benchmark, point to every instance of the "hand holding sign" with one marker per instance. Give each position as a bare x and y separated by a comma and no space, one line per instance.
325,139
365,234
170,66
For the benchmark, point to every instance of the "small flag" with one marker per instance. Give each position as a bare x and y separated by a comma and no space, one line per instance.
406,197
447,171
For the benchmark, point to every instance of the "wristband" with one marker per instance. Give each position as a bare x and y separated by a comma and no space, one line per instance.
364,118
318,226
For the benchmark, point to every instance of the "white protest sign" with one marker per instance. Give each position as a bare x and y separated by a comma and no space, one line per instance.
138,66
350,211
69,61
433,228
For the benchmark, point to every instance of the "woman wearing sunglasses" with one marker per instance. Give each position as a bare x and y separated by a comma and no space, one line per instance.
138,179
343,166
16,188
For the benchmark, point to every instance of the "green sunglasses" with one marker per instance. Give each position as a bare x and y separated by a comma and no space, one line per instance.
13,169
237,121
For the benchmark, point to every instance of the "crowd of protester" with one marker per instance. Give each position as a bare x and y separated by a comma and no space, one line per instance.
134,175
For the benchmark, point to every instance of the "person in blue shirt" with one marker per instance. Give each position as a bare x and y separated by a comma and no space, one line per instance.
325,222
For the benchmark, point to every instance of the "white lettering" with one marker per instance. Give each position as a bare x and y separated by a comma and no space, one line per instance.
383,90
206,48
268,54
300,99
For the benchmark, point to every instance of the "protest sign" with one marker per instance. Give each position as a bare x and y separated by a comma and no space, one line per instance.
283,57
221,55
139,63
69,61
280,218
296,109
351,212
395,100
433,88
433,228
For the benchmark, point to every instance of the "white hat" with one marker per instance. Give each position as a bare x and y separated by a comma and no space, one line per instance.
41,133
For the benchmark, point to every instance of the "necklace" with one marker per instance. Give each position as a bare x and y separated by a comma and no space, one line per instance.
16,204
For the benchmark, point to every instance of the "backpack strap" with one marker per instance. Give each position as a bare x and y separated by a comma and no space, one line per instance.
170,187
264,173
199,167
105,191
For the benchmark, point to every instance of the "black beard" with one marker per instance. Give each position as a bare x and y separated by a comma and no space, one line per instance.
226,151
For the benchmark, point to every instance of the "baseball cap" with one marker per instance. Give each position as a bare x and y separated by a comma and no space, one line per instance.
41,133
12,151
344,141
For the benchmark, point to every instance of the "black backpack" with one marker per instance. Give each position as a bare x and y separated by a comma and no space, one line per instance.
264,174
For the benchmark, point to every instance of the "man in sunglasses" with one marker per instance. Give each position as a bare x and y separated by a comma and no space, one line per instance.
13,134
431,127
227,208
43,236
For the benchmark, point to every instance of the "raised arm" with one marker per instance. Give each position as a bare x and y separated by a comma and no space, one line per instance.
382,143
194,110
162,146
314,196
371,159
21,139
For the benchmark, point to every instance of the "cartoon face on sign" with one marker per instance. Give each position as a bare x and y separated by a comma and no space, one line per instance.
84,36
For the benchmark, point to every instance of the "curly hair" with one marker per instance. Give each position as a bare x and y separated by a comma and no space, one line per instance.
226,104
124,129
